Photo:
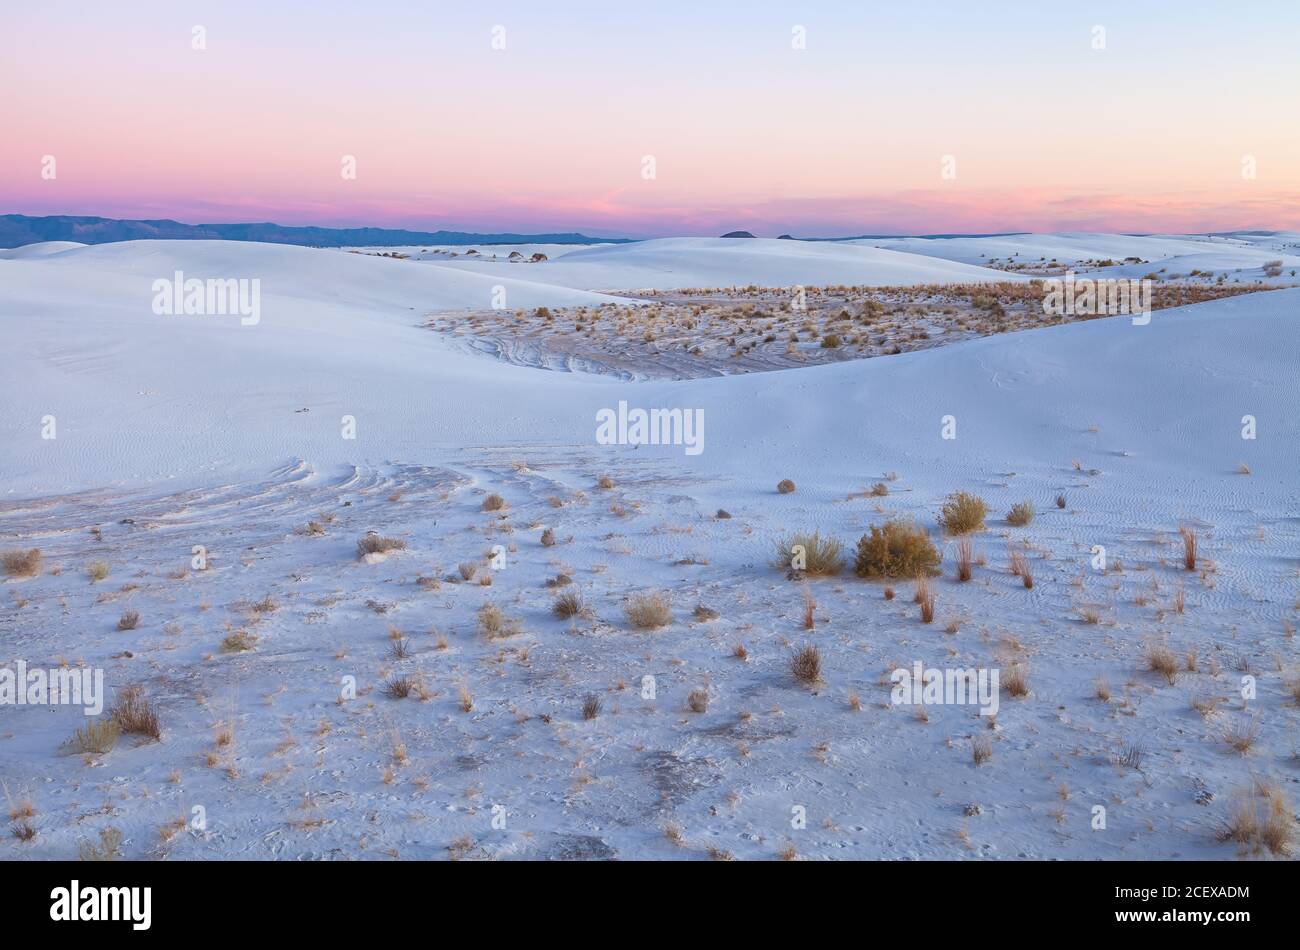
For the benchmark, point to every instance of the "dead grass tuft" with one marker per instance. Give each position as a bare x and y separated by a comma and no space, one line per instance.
648,611
20,563
806,665
899,548
963,513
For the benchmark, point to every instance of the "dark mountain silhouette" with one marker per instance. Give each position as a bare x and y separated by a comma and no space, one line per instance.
19,229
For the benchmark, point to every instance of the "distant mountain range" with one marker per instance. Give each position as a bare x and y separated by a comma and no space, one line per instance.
19,229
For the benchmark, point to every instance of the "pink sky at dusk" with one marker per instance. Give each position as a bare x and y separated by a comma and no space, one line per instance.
844,137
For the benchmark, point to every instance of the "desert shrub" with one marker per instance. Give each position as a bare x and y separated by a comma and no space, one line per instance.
698,701
129,620
1160,659
1241,734
806,665
494,624
648,611
1261,819
97,570
785,486
134,715
241,641
1060,501
374,544
19,563
925,597
830,341
467,570
822,558
399,687
108,849
965,559
97,737
548,538
1190,545
899,548
605,482
1021,514
494,502
591,706
567,605
1272,268
963,513
1015,681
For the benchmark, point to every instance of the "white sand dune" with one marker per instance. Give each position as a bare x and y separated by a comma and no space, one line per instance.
1240,256
339,334
676,263
43,249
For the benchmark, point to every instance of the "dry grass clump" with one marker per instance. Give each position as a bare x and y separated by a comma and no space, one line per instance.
129,620
399,687
374,544
1019,566
785,486
97,737
648,611
821,557
1015,681
981,749
963,513
590,706
806,665
494,502
241,641
899,548
548,538
19,563
467,570
605,482
567,605
965,559
494,624
97,570
924,596
1060,501
1262,819
1207,705
1241,735
1021,514
1160,659
134,715
809,608
698,700
1190,543
108,849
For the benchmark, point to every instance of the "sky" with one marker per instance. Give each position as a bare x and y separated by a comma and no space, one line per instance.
653,119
